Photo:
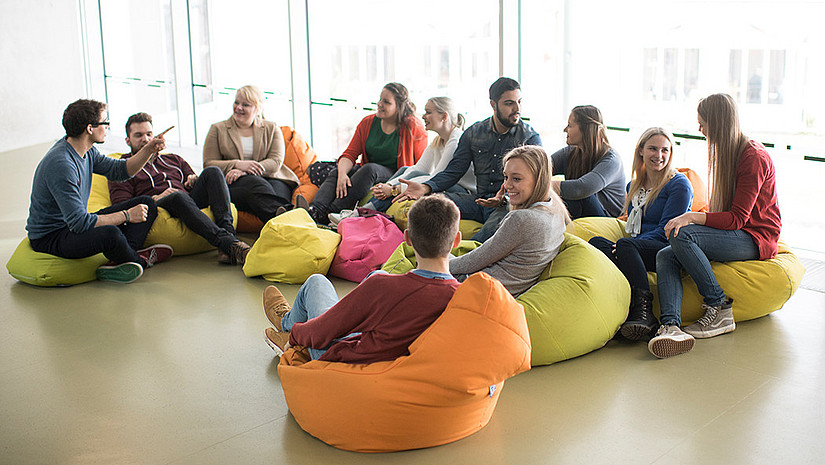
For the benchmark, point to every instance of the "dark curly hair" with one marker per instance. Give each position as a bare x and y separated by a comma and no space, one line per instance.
81,113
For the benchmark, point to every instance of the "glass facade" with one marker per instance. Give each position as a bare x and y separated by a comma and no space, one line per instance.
322,64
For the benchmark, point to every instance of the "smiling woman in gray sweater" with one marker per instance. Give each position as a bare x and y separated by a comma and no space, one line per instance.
531,234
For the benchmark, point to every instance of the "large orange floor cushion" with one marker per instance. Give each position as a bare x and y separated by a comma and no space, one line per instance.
290,248
444,390
758,287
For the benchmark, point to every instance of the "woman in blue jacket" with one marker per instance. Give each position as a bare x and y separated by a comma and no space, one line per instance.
657,193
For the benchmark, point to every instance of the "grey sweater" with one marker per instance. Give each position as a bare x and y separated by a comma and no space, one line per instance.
522,247
606,180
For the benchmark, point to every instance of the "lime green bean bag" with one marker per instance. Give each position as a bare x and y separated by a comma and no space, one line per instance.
291,248
576,307
42,269
757,287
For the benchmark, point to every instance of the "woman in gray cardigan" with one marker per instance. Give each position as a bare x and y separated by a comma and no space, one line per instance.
594,182
530,235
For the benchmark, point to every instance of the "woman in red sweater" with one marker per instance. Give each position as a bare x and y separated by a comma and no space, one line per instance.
743,224
386,141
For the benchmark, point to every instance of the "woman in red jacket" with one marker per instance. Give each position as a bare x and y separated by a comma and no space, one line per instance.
743,224
391,138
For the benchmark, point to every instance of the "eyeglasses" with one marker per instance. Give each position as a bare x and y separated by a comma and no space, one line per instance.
101,123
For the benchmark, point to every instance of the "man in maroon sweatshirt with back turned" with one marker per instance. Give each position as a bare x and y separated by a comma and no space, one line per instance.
381,317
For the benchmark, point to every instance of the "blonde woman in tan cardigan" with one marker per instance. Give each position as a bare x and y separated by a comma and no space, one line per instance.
250,152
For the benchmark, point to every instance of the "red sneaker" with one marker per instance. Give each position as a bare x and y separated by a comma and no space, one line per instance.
155,254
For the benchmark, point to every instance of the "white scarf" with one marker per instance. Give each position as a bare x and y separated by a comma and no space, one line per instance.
634,218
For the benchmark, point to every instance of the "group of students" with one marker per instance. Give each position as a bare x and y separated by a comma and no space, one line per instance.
494,172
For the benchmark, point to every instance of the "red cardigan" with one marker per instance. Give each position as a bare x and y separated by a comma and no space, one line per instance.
754,208
411,144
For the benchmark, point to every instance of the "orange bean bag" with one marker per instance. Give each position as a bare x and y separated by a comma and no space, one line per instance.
299,155
445,390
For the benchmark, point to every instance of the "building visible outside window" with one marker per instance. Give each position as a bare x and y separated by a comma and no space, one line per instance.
777,77
420,44
234,44
755,76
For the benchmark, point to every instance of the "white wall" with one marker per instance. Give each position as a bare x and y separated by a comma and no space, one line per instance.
41,59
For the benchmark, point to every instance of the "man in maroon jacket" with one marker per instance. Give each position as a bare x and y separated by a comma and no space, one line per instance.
381,317
173,184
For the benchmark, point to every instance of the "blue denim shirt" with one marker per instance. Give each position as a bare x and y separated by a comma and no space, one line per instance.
482,146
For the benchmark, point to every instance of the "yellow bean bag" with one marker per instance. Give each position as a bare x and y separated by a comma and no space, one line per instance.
165,230
576,307
291,248
758,287
446,389
41,269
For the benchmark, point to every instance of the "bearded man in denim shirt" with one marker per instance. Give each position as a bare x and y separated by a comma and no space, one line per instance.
483,145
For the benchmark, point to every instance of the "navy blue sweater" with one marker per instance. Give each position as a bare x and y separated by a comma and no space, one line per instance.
673,200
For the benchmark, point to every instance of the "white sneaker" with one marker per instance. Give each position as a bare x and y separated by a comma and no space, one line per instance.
670,340
335,218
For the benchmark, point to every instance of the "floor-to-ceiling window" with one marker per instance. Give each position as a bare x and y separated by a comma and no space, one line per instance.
432,47
642,62
138,60
647,63
234,44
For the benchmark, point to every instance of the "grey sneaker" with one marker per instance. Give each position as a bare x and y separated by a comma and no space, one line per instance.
123,273
670,340
716,320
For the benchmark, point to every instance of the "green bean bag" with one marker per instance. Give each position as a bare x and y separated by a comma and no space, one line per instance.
42,269
757,287
576,307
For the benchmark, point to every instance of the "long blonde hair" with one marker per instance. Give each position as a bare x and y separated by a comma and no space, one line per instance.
725,144
253,95
640,173
594,141
540,165
446,106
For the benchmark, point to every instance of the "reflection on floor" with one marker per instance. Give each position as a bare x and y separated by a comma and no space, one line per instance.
173,370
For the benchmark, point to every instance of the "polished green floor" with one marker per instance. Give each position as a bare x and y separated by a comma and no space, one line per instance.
173,370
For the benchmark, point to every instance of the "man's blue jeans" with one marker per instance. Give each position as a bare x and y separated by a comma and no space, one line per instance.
316,296
693,250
